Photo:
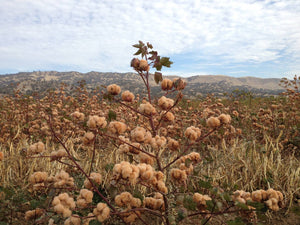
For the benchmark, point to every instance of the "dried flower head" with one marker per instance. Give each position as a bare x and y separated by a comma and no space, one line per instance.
116,127
34,214
63,204
77,116
88,138
166,84
179,84
85,197
225,118
73,220
95,177
113,89
213,122
127,96
96,122
165,103
135,63
139,134
101,212
147,109
36,148
192,133
144,66
169,117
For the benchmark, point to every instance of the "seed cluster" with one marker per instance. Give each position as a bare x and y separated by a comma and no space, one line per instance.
147,109
102,212
272,198
34,214
63,179
165,103
85,197
192,133
142,171
36,148
113,89
201,200
95,177
63,204
126,200
156,202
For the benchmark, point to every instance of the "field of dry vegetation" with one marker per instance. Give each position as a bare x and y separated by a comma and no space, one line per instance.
110,157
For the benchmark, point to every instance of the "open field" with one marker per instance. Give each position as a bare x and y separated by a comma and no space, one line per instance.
113,157
257,149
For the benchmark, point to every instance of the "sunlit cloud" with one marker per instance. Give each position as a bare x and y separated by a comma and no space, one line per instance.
259,38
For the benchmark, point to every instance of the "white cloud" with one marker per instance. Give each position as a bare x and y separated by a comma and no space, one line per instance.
97,35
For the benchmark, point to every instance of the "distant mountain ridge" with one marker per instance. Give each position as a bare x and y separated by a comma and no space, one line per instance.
39,81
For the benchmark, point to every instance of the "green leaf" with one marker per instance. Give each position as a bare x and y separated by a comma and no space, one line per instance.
237,221
158,77
227,197
165,61
138,52
181,214
189,203
210,205
35,203
242,205
97,198
109,167
136,46
149,45
138,194
258,206
205,184
112,115
95,222
158,66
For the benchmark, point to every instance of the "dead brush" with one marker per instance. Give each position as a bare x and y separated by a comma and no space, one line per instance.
138,166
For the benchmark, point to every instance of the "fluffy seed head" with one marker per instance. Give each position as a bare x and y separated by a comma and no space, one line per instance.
144,66
192,133
225,118
165,103
147,109
116,127
213,122
113,89
166,84
135,62
127,96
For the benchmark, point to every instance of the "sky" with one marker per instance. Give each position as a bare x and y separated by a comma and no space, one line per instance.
228,37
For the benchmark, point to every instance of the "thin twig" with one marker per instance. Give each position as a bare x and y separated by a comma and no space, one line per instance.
124,142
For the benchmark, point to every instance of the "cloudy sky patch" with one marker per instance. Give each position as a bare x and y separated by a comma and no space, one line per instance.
237,38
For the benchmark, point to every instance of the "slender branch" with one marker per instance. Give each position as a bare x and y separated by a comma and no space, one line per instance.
143,221
142,76
93,156
133,109
65,163
140,209
117,138
218,213
79,167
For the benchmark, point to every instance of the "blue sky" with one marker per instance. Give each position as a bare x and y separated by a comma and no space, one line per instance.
229,37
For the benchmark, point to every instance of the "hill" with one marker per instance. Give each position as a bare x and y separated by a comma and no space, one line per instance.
200,85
